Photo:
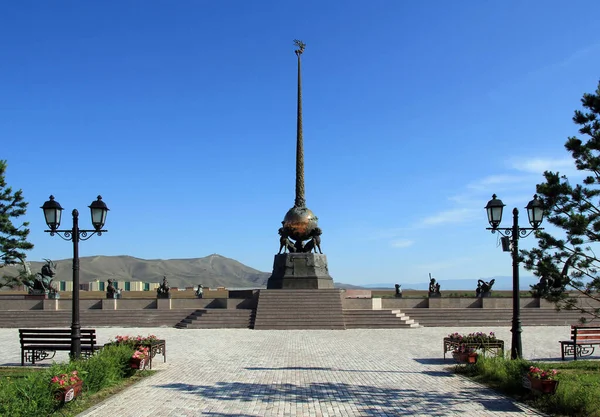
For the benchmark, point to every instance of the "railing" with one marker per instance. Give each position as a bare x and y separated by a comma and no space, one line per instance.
494,346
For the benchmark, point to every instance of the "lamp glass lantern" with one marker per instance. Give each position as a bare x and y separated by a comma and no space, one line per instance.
98,211
535,212
494,210
52,213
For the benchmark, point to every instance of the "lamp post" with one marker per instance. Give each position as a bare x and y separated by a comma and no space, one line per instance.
52,213
535,213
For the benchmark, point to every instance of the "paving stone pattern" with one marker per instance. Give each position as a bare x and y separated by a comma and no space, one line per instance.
325,373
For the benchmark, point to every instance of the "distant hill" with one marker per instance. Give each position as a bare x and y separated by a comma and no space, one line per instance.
211,271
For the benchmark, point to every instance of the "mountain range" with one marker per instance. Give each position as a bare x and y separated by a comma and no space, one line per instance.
215,271
211,271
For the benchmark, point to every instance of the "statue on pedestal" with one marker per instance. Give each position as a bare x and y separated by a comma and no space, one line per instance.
163,289
398,290
284,242
484,288
42,282
434,288
111,291
541,288
302,265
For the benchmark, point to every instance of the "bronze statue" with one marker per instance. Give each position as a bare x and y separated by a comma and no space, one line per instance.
200,291
431,284
110,289
163,289
542,287
314,242
301,45
42,282
484,288
398,290
284,242
434,288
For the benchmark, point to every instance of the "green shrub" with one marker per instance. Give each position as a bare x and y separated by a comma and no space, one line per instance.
106,368
33,396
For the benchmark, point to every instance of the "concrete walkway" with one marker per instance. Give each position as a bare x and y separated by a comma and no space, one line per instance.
308,373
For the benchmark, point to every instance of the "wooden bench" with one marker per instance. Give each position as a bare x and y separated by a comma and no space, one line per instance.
497,346
583,339
40,344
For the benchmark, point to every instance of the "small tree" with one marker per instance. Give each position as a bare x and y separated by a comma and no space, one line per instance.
569,261
13,240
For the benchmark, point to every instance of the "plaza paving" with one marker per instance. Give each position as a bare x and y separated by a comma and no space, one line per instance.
239,372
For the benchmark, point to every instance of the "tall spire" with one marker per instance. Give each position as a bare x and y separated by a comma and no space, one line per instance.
300,200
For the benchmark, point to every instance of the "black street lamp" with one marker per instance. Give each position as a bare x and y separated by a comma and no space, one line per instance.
52,213
535,213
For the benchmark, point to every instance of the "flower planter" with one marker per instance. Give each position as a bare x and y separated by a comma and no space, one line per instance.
138,363
545,386
66,394
465,357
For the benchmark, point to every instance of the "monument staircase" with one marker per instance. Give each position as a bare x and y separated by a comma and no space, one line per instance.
283,309
218,318
378,319
290,309
478,317
92,318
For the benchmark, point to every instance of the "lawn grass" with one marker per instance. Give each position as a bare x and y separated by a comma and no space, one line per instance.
578,393
14,372
83,402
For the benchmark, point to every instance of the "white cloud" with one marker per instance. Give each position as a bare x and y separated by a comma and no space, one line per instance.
570,60
385,233
459,215
539,165
402,243
504,89
486,183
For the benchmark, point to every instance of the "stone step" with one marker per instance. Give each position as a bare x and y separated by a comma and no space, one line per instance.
296,309
217,318
375,323
378,319
372,313
381,326
301,326
291,319
228,325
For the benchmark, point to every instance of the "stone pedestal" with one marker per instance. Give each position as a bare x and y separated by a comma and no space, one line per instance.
163,303
300,271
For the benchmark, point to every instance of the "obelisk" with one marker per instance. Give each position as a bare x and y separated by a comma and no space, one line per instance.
298,267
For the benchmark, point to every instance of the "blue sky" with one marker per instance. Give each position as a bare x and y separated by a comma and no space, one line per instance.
182,116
